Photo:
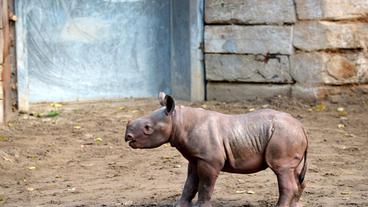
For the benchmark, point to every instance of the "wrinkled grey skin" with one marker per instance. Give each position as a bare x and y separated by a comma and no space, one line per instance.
214,142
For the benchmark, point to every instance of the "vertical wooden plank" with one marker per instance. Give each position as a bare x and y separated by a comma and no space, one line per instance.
2,117
1,33
1,45
13,61
6,75
1,15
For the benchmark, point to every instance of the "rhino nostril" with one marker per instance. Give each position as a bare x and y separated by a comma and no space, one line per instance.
128,137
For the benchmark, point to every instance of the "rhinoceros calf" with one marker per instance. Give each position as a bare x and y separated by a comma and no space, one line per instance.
214,142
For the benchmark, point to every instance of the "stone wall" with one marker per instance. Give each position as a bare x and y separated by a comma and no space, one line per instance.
311,49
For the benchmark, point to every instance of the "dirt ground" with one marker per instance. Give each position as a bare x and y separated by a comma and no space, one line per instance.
77,157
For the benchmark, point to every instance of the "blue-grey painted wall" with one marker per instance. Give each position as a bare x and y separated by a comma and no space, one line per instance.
180,49
91,49
187,71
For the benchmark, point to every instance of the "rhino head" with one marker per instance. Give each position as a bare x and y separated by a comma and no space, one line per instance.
152,130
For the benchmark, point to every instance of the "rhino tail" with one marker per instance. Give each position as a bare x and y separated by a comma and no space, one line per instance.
304,169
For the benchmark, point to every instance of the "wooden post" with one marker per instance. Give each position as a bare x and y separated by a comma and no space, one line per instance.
6,103
2,118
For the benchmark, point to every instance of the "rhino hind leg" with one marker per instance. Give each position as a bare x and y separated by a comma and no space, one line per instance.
285,154
299,173
288,187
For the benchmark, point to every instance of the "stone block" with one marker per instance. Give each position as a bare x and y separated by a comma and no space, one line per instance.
249,11
314,35
329,68
241,91
247,68
331,9
313,93
248,39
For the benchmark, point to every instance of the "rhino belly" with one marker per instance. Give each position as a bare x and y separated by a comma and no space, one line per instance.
245,149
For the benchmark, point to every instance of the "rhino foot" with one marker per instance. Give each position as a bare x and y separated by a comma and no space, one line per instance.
182,204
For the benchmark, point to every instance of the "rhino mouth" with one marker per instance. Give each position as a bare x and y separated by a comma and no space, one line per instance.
130,141
132,144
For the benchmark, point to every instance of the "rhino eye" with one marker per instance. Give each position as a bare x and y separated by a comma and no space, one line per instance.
148,129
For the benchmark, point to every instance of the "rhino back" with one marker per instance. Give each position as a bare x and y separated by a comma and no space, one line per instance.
245,138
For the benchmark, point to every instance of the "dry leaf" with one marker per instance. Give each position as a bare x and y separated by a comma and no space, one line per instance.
250,192
240,180
56,105
3,139
2,199
98,140
6,156
122,108
343,113
30,189
245,191
340,109
320,107
345,198
71,189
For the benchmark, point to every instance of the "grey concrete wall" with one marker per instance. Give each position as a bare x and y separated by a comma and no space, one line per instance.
109,49
187,72
93,49
180,49
303,48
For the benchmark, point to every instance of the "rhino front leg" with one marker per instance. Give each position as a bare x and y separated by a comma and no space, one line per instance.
207,179
190,187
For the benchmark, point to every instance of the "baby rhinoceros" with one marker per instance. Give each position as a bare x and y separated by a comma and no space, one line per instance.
214,142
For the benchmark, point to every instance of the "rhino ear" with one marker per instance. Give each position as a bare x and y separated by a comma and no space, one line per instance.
170,104
161,98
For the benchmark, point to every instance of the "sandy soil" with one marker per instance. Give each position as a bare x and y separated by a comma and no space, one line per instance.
78,158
